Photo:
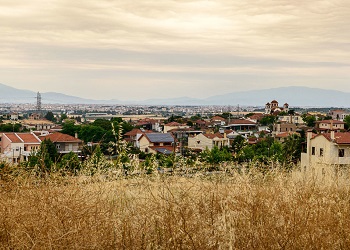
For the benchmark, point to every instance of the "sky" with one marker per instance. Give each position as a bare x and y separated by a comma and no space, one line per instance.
137,50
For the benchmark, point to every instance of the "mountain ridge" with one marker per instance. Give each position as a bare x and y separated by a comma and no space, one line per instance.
294,95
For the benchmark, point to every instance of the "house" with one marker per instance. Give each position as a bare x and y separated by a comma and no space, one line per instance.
241,125
149,124
282,127
326,149
16,147
274,107
157,143
338,114
281,137
217,121
174,125
295,119
40,124
133,136
203,141
328,125
64,143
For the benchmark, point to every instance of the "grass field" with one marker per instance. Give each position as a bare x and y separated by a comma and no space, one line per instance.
240,211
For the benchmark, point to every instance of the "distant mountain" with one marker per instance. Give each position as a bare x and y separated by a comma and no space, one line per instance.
14,95
294,96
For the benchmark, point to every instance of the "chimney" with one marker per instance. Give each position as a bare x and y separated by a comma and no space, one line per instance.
76,135
308,139
332,135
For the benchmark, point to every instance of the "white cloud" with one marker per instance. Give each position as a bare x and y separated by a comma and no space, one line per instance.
167,38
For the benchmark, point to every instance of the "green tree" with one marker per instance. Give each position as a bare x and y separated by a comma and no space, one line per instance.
70,128
238,143
347,121
50,116
310,120
268,120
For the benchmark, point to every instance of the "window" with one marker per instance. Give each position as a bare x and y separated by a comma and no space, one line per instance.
58,146
321,151
341,152
313,150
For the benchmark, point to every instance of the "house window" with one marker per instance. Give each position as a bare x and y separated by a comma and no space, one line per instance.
156,144
321,151
341,152
313,150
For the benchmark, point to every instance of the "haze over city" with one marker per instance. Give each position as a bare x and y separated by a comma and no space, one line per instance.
148,49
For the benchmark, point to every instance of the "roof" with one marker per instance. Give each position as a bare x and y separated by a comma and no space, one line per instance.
274,101
331,122
241,121
133,132
29,138
59,137
160,137
13,138
167,150
339,138
217,118
173,124
212,136
22,138
285,134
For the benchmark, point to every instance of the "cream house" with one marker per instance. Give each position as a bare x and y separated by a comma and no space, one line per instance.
174,125
203,141
327,149
157,143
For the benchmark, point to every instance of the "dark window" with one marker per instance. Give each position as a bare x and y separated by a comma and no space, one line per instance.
341,153
313,150
321,151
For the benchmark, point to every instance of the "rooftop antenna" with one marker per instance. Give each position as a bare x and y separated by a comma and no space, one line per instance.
38,101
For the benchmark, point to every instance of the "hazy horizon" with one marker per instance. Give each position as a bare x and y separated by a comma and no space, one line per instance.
166,49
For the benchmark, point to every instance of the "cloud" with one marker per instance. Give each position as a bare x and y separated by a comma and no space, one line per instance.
197,39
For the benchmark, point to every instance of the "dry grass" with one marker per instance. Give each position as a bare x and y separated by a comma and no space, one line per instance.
274,211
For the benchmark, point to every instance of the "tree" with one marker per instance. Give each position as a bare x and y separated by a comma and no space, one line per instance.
45,157
50,116
238,144
310,120
347,121
268,120
70,128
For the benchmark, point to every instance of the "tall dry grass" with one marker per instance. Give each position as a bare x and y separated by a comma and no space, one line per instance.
243,211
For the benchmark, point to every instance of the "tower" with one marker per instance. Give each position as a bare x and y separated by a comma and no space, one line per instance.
38,102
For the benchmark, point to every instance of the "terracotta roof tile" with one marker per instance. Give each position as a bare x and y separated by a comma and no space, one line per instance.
59,137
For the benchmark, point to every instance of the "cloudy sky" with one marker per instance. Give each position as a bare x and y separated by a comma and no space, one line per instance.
135,50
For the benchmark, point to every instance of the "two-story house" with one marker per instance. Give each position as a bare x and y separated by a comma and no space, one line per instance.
64,143
203,141
328,125
327,149
157,143
174,125
15,147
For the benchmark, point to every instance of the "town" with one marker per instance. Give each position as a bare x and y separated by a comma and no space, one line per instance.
270,133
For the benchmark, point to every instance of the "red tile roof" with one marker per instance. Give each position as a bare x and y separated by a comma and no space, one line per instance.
212,136
13,138
241,121
217,118
174,124
59,137
331,122
133,132
339,138
29,138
